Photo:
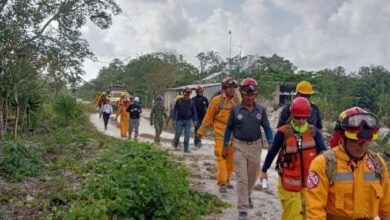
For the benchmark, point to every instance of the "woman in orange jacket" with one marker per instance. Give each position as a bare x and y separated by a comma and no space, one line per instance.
124,122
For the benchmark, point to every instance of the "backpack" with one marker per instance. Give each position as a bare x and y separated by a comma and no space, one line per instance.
222,102
331,164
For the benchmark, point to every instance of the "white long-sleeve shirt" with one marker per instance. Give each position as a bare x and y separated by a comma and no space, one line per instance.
106,108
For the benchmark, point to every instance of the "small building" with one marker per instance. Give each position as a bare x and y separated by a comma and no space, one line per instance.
209,91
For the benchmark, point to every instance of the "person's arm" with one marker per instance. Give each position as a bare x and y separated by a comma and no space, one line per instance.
319,141
193,112
319,120
317,187
119,112
140,109
266,127
273,151
175,110
384,202
229,128
284,115
151,117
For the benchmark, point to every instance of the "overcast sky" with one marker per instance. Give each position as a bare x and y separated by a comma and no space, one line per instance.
313,34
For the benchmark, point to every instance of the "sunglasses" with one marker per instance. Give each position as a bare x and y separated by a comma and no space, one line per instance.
300,118
358,120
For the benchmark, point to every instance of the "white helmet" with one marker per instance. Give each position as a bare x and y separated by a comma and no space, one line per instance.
136,99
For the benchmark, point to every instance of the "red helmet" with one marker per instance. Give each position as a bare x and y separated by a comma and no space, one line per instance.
199,88
187,90
229,82
357,124
300,107
248,85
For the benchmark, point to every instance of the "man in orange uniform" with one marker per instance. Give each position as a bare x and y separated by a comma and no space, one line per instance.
350,181
124,127
217,116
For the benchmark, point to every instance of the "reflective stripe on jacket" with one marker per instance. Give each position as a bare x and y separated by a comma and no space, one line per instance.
357,191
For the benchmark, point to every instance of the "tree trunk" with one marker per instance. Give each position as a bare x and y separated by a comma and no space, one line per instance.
17,112
6,115
1,120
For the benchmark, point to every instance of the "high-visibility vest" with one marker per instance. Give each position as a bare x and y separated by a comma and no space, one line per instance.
295,157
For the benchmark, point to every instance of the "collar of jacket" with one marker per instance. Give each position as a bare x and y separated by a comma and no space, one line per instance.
299,129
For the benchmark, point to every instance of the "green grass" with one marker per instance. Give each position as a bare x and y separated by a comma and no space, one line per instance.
75,172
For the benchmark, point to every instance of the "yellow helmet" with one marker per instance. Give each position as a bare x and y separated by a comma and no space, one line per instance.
304,87
123,94
103,93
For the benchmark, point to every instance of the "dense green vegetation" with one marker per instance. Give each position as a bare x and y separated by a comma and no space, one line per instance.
74,172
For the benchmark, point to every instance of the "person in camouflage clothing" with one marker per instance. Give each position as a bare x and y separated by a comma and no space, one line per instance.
157,117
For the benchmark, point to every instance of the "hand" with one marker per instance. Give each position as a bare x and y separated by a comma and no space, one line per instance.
199,136
263,176
100,116
225,153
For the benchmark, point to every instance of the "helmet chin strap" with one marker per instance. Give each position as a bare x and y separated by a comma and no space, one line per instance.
349,154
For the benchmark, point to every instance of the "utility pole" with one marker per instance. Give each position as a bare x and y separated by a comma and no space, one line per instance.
230,53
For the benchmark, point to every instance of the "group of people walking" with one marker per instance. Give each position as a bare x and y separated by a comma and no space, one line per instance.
129,111
341,182
345,181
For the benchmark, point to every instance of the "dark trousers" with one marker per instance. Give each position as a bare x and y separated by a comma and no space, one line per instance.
106,116
196,139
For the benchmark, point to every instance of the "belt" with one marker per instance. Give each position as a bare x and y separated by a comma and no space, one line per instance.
333,217
249,142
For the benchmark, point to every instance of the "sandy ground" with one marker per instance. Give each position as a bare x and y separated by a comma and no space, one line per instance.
201,167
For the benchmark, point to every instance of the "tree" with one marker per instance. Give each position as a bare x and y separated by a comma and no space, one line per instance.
48,40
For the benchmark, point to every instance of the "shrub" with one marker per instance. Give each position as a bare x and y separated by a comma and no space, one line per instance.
19,160
139,183
68,110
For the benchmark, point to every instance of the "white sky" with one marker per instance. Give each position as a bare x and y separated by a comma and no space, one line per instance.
312,34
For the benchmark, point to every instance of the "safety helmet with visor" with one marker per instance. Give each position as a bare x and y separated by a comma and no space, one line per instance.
248,85
357,124
229,82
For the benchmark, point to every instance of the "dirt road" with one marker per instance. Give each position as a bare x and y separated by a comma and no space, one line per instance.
201,167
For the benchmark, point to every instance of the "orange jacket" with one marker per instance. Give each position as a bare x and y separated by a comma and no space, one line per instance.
294,163
354,194
123,113
217,114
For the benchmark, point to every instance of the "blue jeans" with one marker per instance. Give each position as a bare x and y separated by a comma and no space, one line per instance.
186,124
